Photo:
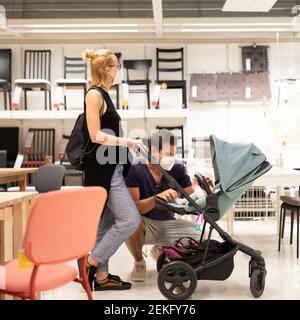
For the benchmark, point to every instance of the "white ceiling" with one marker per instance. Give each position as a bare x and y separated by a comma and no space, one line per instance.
157,26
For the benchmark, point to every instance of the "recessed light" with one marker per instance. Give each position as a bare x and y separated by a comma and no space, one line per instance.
236,30
248,5
237,24
78,25
84,31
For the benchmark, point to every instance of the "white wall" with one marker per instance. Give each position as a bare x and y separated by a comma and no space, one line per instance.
264,125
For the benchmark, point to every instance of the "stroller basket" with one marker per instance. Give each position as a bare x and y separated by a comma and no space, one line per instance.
218,264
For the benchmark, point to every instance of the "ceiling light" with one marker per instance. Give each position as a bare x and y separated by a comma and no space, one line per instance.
237,30
248,5
77,25
243,24
85,31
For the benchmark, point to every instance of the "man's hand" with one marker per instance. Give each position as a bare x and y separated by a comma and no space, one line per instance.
168,195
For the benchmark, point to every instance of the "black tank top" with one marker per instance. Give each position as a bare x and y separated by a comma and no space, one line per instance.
110,119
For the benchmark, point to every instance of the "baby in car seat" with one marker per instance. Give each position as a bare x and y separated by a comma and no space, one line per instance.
198,191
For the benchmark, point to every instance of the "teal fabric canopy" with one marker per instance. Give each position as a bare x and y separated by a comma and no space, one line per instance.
236,166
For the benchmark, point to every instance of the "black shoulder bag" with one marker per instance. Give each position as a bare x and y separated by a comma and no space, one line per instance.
76,148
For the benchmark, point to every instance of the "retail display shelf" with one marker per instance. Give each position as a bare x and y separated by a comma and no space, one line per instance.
73,114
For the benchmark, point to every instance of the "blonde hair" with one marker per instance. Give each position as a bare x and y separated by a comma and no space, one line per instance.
99,60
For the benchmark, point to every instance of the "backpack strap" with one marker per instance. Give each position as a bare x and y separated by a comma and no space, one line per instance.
101,115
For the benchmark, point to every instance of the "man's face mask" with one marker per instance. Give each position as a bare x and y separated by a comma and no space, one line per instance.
167,162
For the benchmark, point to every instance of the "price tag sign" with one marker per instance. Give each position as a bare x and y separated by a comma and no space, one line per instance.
28,142
16,98
248,64
155,95
58,97
194,91
248,93
125,95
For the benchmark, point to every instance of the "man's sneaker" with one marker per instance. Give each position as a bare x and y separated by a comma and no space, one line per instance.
155,252
138,273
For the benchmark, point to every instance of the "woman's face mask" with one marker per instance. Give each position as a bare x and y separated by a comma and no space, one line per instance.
118,77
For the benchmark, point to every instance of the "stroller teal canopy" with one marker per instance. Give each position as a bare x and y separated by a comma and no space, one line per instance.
236,166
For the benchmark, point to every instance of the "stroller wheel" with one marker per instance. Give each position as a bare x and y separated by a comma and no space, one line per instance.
257,282
161,261
177,280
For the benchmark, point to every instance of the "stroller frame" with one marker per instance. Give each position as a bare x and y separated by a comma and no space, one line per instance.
178,268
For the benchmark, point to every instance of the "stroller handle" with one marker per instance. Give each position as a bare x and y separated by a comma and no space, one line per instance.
203,183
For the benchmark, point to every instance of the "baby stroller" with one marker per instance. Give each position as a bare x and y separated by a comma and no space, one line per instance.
179,267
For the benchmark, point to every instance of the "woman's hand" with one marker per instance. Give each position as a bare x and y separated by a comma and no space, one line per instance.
133,142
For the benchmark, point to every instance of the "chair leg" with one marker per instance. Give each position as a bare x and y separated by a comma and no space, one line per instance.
82,178
85,281
9,98
118,96
65,101
283,223
45,99
280,226
184,97
88,290
50,105
182,142
148,95
33,295
292,226
64,181
25,99
297,233
5,98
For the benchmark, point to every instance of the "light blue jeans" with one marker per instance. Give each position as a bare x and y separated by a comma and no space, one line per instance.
119,220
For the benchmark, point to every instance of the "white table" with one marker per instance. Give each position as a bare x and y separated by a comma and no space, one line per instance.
277,177
8,175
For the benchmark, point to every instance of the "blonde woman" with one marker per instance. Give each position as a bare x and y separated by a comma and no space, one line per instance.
104,167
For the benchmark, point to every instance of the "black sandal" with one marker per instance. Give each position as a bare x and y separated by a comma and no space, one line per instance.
90,271
112,282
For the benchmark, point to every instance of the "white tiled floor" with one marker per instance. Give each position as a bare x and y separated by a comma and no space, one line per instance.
282,282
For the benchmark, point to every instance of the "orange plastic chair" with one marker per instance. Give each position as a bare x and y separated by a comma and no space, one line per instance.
62,226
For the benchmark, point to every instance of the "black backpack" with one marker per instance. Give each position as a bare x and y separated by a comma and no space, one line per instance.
76,148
